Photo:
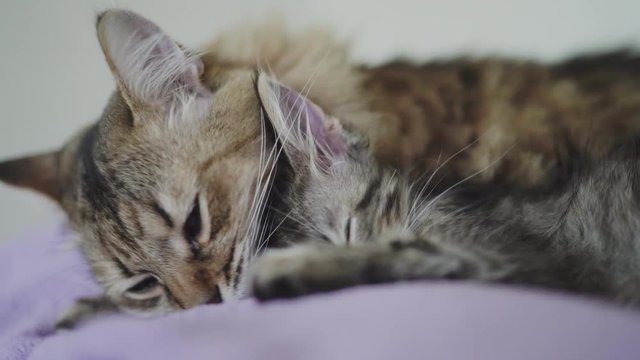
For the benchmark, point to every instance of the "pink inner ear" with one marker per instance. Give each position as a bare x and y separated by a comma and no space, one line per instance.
324,129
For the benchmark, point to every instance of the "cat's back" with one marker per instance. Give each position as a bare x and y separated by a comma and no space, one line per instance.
505,121
519,122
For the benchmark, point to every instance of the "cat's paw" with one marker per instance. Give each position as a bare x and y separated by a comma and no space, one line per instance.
83,310
303,269
296,271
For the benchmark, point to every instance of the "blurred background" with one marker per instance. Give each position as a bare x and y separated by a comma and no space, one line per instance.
53,80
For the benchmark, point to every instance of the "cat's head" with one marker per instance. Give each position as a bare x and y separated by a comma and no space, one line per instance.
164,189
338,192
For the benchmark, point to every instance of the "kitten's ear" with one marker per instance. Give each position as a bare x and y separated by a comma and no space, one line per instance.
38,172
155,75
309,136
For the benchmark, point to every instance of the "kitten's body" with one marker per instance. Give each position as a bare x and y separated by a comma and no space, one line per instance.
519,121
540,115
378,226
168,188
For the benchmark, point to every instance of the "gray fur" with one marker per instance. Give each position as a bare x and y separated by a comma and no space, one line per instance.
360,223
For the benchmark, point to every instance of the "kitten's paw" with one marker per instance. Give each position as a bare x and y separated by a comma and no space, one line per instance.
295,271
303,269
82,310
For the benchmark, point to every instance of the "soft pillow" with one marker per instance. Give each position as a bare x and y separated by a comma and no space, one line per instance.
41,275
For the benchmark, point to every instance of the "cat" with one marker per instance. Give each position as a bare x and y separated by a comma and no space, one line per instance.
345,220
168,189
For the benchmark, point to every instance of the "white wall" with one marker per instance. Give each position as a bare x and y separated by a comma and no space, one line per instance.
53,79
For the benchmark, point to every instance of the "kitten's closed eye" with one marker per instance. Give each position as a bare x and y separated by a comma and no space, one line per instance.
143,286
350,230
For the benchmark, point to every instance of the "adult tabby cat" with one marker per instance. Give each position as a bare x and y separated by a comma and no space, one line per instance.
168,188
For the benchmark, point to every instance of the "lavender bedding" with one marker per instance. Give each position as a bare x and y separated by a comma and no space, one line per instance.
40,275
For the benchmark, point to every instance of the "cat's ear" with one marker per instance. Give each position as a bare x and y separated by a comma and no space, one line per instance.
37,172
309,136
155,75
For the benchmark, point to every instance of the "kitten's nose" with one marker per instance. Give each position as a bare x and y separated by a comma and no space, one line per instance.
216,296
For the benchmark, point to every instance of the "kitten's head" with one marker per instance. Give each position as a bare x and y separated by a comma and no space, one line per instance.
162,187
338,192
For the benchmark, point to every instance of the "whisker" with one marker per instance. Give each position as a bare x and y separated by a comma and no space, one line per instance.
276,228
255,231
439,196
440,166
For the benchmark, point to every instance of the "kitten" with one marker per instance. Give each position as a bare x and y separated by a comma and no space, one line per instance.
168,188
346,220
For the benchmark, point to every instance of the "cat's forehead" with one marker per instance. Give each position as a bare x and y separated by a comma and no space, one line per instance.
230,128
169,165
234,113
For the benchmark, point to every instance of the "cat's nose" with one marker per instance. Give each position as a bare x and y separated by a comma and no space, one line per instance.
216,296
195,287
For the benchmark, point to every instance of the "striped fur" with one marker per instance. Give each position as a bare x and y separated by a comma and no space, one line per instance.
358,222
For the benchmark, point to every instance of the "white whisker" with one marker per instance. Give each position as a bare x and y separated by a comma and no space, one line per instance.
433,201
420,194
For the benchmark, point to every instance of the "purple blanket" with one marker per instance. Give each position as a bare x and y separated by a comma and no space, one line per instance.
40,276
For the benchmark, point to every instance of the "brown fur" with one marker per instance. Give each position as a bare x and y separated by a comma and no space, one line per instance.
537,116
520,122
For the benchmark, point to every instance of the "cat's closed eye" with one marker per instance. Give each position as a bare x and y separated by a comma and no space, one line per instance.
193,224
145,286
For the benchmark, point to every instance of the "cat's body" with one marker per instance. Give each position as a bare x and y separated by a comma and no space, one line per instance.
519,121
378,226
535,117
168,189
